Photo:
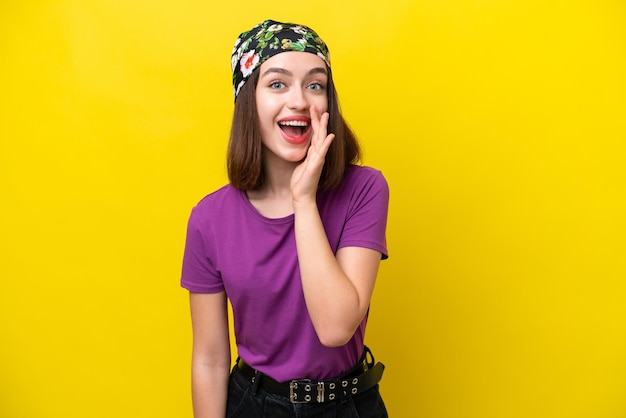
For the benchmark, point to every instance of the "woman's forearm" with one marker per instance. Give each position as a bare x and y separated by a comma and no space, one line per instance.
209,390
332,299
210,360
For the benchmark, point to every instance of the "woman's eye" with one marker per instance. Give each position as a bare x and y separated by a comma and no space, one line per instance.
277,85
316,86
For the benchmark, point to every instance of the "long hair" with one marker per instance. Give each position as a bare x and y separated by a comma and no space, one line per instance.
244,159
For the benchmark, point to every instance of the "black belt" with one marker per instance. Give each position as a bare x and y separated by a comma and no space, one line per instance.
361,378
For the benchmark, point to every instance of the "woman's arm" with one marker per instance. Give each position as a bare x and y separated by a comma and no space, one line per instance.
337,289
211,354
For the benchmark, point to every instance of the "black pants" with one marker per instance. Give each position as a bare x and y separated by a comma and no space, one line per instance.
246,401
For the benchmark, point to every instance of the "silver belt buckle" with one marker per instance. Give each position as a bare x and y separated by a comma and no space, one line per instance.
293,386
307,388
320,392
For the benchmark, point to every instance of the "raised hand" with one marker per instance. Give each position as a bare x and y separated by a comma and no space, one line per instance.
305,177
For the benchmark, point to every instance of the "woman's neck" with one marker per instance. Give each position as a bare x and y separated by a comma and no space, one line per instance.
274,199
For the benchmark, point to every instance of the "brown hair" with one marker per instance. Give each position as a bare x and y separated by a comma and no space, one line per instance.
244,159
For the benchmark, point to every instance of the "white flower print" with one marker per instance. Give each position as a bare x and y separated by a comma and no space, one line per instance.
237,42
248,63
238,89
275,28
299,30
234,61
243,47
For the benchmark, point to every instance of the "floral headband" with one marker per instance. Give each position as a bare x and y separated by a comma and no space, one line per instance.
267,39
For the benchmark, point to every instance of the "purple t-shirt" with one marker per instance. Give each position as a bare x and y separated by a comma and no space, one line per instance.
232,247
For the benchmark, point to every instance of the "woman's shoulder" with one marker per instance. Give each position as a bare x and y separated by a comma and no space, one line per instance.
359,183
361,175
218,201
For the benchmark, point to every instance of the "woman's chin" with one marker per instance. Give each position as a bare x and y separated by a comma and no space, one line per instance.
296,158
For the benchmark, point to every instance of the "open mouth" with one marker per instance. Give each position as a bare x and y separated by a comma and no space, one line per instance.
294,128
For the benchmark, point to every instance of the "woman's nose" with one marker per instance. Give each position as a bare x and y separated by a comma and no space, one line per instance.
297,99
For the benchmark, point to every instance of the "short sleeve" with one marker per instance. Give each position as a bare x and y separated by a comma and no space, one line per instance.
366,222
199,273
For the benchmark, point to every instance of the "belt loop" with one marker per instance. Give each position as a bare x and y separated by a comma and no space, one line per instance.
368,353
255,381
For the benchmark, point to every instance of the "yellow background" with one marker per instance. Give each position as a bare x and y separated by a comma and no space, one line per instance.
500,126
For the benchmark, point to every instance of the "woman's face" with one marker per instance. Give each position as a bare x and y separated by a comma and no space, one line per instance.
289,84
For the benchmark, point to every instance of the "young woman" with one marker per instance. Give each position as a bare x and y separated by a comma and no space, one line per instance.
294,241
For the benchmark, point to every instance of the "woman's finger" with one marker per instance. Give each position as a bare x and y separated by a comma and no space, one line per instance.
319,123
315,124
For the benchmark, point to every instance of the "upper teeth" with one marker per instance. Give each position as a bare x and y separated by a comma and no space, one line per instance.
294,123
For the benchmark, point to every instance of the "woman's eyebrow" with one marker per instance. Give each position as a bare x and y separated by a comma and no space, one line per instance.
316,70
277,70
